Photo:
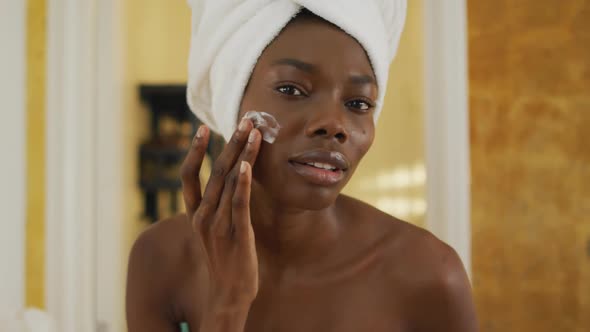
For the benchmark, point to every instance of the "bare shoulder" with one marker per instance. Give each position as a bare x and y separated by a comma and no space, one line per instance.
422,270
438,289
161,262
439,292
163,244
421,253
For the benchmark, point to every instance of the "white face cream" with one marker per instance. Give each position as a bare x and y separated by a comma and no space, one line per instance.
266,123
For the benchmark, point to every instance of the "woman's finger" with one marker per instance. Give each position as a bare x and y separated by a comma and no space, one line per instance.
241,202
223,165
189,172
252,148
249,154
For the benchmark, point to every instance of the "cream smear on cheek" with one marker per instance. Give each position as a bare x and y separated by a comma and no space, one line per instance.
266,123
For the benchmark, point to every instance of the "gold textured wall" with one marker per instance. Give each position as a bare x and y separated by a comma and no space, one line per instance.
529,68
35,226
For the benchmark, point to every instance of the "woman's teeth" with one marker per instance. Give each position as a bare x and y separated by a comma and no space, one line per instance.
322,166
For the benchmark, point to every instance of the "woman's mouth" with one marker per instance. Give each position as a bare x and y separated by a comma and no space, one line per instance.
320,167
318,173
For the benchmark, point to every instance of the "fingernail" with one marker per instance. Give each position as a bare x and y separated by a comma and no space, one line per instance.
243,125
243,167
201,132
252,136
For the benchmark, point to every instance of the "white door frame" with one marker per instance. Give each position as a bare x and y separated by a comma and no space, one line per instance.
110,262
70,177
13,38
84,108
84,135
447,124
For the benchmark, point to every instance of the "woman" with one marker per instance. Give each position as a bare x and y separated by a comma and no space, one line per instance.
271,244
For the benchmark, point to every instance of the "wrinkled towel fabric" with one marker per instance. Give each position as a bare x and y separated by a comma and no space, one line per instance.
228,37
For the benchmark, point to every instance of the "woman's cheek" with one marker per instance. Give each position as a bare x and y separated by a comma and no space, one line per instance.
362,138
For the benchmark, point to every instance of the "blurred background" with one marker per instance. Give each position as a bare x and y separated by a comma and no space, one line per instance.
79,185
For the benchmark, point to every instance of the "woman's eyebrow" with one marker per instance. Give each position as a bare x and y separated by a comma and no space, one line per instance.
303,66
362,79
310,68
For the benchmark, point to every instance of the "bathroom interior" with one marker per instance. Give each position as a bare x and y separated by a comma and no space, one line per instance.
528,154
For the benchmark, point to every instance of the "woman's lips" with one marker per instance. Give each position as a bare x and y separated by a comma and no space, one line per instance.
332,158
321,167
319,176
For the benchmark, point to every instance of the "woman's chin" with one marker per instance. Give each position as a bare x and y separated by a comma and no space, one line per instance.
313,198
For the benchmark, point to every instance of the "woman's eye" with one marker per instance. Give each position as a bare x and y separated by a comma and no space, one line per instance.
359,105
290,90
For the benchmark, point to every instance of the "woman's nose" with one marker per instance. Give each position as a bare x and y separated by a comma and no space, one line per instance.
328,122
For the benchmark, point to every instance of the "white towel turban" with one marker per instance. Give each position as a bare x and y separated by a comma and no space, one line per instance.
228,37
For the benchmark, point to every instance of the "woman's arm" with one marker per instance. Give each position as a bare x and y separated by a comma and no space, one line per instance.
147,301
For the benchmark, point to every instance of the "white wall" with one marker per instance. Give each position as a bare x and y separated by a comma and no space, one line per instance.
447,125
12,152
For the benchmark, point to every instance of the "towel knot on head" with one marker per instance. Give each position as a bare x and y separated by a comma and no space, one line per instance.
228,37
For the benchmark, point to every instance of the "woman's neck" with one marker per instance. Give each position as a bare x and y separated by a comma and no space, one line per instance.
289,235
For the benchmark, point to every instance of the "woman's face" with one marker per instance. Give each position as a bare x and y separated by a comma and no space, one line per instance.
318,83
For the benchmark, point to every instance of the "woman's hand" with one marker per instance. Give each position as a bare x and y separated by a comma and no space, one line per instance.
221,219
